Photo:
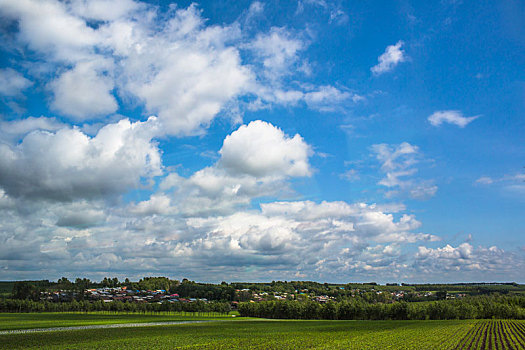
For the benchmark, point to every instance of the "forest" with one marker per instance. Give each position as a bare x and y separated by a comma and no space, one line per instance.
477,307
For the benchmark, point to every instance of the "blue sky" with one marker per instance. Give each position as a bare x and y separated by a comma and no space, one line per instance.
312,140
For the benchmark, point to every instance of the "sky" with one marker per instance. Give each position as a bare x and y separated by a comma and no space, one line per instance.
317,140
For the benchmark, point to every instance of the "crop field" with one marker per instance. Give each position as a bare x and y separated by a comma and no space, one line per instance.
10,321
494,334
239,333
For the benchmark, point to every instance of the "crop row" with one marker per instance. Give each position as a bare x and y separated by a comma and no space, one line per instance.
492,334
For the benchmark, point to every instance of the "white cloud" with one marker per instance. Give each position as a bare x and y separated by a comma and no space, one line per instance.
59,187
480,261
98,9
392,56
47,27
84,92
328,98
260,149
395,157
213,191
278,51
397,162
13,130
277,56
451,117
485,180
256,9
255,160
12,83
173,65
186,73
69,164
157,204
327,240
180,69
287,235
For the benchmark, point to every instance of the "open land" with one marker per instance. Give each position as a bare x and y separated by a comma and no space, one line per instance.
241,333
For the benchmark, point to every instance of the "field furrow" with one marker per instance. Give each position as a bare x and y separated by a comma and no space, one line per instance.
516,334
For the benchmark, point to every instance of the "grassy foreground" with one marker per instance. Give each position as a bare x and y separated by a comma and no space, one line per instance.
281,334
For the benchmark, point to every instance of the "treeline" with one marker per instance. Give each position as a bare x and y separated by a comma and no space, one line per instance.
467,308
198,307
333,290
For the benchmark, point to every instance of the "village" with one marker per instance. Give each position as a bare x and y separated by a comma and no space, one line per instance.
129,295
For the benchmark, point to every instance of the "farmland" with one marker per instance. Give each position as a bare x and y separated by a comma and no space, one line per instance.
10,321
240,333
494,334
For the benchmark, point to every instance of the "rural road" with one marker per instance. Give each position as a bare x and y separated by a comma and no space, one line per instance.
97,326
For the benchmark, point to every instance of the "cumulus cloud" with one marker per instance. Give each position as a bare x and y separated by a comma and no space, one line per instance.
180,69
320,240
12,83
186,74
173,64
48,27
478,261
255,160
69,164
62,191
260,149
84,92
157,204
98,9
187,224
392,56
13,130
213,191
398,165
451,117
301,235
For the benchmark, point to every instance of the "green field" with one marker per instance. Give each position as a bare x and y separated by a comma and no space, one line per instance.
9,321
238,333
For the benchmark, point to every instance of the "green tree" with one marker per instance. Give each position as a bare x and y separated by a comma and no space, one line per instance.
22,290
